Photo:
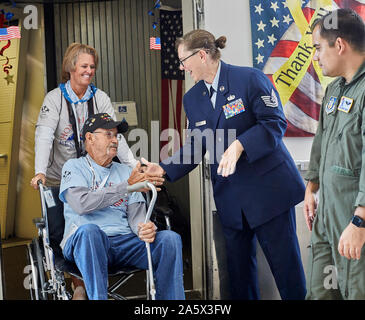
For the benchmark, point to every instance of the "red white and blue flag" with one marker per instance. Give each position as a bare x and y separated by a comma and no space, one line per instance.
173,116
282,49
155,43
9,33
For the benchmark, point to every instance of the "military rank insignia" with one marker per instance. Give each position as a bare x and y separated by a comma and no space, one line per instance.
330,106
345,104
233,108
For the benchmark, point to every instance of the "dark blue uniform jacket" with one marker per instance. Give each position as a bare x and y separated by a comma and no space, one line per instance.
266,181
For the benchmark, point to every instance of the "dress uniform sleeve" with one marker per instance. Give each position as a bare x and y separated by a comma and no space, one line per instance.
360,199
189,155
263,100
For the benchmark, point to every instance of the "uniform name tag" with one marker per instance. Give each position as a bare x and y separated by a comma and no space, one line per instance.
200,123
233,108
345,104
330,106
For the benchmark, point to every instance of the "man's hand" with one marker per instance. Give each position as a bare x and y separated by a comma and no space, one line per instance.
39,176
227,165
147,231
352,238
137,175
310,204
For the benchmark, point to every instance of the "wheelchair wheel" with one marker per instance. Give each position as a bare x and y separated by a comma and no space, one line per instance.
37,277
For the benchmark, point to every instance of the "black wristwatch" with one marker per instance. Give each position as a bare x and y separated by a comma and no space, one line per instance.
358,222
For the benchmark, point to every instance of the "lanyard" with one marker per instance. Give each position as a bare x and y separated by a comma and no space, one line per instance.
102,184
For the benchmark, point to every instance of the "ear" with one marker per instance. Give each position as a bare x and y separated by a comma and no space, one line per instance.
341,45
89,137
203,55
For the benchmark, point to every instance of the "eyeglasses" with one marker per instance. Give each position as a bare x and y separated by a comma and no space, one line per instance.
182,61
109,134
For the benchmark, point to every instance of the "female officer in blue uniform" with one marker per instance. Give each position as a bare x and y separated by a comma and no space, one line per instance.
256,183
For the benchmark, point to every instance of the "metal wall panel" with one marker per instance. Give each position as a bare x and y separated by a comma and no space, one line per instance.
119,31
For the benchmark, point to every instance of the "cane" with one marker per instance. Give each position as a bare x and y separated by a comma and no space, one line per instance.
133,188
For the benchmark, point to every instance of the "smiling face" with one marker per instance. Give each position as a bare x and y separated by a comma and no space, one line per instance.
328,57
194,64
84,71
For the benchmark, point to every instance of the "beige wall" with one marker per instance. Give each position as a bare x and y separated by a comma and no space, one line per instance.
28,203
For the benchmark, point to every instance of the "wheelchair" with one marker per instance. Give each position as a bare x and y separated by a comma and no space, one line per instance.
47,264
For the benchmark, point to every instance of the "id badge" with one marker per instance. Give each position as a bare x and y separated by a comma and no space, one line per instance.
49,199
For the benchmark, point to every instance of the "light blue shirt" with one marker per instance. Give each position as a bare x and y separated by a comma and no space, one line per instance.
113,219
214,85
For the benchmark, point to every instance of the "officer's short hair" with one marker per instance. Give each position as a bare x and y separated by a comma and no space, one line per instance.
345,24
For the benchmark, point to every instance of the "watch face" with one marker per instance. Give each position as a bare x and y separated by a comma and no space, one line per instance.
357,221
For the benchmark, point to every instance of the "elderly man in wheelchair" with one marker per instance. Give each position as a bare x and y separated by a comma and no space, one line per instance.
105,225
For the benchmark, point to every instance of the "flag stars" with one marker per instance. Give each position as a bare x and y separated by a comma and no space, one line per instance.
259,43
274,6
272,39
261,26
258,9
259,58
285,4
287,19
274,22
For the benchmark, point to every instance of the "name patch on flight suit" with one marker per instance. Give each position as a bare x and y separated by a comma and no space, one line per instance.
233,108
345,104
330,106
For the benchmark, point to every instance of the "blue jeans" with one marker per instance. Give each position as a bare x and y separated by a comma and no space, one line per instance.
93,251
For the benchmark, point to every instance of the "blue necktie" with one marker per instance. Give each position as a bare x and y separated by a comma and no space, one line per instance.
211,91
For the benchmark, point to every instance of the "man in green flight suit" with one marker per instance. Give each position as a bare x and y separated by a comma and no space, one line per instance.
336,267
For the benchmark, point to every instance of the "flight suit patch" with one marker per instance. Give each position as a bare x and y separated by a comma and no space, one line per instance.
345,104
330,106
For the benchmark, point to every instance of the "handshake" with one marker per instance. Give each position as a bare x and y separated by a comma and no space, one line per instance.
149,171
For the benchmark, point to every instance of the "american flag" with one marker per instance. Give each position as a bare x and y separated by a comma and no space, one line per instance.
172,85
275,37
155,43
9,33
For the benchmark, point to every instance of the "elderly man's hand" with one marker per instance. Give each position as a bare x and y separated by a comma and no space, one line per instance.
138,175
147,231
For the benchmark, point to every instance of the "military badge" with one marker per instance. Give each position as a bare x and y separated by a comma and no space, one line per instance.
330,106
233,108
345,104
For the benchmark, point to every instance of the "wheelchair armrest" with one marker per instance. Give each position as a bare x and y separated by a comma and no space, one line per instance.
39,223
165,211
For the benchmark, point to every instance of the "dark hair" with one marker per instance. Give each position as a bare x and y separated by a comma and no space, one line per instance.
345,24
202,39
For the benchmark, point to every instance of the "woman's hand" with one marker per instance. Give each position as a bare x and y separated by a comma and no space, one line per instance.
34,181
227,165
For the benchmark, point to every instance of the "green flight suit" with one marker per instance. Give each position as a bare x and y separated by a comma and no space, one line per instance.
337,163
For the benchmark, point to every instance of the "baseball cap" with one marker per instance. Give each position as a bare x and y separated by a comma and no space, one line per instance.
104,121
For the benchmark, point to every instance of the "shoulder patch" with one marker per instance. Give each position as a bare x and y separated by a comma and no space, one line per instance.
271,101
